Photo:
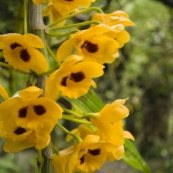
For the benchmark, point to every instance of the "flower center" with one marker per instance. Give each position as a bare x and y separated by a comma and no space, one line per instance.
94,152
90,47
24,55
39,109
82,159
14,45
77,77
19,131
23,112
63,82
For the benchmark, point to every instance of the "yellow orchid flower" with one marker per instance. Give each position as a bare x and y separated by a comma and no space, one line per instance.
19,51
110,127
27,121
109,122
19,138
117,17
119,34
114,112
30,111
92,44
87,156
73,79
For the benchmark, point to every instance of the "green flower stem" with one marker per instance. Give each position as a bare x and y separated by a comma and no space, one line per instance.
55,150
25,12
75,14
55,34
70,118
72,113
91,115
76,25
78,139
6,65
40,161
51,54
47,155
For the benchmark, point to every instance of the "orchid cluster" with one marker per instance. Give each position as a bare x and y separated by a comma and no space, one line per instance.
26,120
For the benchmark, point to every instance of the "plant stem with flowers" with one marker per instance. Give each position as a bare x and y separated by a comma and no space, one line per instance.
36,26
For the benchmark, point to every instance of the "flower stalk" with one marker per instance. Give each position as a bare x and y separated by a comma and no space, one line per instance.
51,54
5,65
75,14
55,34
36,26
75,25
40,161
72,113
25,4
70,118
78,139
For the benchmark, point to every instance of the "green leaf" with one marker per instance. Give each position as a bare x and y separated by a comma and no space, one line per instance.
133,158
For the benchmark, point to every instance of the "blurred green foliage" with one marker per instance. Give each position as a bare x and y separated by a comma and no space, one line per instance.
143,73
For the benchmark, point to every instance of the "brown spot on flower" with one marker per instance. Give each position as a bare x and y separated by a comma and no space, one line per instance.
39,109
68,0
82,159
24,55
115,38
90,47
63,82
94,152
19,131
14,45
23,112
77,77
